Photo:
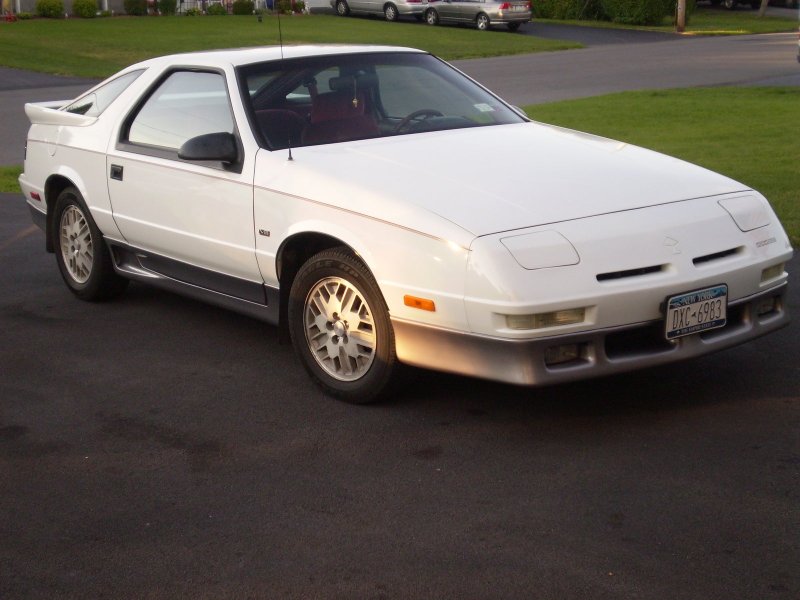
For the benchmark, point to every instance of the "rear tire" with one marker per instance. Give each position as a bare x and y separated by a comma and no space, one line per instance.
390,12
431,17
83,258
482,22
340,327
342,9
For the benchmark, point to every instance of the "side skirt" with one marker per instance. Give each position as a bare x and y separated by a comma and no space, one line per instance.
246,297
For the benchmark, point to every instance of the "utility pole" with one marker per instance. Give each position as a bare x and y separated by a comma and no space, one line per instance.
680,21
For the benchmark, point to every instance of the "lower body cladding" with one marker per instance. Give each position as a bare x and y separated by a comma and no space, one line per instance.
586,354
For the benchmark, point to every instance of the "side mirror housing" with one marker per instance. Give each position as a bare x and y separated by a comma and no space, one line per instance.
211,146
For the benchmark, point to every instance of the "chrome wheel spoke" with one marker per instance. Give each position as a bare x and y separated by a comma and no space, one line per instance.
76,244
339,329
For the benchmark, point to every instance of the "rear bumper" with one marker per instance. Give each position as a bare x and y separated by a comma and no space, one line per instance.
38,207
601,352
38,217
504,17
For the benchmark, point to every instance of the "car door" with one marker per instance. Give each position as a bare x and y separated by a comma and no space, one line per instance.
447,9
192,220
359,5
466,10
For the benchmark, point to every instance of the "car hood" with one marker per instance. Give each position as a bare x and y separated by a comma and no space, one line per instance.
493,179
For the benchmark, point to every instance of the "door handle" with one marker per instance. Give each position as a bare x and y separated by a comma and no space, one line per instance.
116,172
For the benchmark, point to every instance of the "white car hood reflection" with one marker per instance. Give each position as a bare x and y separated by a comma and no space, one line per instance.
493,179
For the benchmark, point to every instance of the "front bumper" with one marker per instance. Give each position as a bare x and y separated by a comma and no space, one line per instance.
602,351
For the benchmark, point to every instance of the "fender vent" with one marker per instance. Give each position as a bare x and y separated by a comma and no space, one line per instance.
716,256
630,273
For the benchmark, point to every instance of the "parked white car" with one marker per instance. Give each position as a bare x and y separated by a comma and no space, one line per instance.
382,207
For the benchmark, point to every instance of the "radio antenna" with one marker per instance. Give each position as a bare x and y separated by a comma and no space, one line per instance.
280,40
280,30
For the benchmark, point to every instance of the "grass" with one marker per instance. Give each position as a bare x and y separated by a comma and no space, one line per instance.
749,134
100,47
707,21
8,179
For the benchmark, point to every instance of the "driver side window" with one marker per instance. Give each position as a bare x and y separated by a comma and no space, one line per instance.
185,105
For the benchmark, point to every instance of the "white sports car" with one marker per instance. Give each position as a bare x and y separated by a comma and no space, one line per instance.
382,207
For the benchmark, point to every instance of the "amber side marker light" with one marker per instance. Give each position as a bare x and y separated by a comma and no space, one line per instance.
420,303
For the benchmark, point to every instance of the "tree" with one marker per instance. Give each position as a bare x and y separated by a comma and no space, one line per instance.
680,21
763,9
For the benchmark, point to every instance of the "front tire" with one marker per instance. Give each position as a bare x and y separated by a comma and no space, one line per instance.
482,22
432,17
342,9
340,327
83,258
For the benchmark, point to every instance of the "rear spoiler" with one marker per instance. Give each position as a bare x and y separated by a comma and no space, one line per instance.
48,113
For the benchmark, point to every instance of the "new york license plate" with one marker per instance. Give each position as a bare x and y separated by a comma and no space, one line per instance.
696,311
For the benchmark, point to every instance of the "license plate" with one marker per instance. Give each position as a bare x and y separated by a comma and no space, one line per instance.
696,311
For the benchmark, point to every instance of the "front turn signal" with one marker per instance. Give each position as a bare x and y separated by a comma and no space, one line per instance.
420,303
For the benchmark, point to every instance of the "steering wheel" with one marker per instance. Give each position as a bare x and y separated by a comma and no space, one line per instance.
418,115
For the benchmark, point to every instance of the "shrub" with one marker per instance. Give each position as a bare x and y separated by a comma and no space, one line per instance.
85,9
167,7
299,6
243,7
638,12
216,10
50,9
24,16
135,8
192,12
568,9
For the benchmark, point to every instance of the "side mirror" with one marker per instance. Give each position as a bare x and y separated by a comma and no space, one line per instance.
211,146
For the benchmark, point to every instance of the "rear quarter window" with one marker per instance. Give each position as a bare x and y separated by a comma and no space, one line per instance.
94,103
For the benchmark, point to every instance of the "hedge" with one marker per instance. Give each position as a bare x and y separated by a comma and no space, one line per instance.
50,9
86,9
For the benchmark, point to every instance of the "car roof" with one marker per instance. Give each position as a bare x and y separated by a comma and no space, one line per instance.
246,56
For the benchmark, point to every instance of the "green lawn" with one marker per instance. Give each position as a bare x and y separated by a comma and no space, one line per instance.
8,179
100,47
708,21
749,134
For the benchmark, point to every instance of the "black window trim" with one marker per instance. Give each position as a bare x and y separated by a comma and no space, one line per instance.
125,145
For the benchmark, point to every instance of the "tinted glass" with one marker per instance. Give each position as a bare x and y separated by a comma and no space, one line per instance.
185,105
301,102
95,103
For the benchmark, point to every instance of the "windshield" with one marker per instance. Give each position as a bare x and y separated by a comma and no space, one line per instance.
339,98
